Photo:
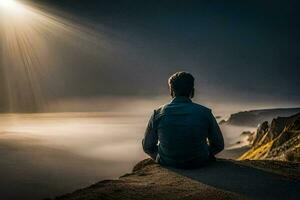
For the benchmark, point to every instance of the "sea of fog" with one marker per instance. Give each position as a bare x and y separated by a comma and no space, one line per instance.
43,155
48,154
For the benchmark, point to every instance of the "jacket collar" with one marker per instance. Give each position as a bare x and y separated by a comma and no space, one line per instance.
181,99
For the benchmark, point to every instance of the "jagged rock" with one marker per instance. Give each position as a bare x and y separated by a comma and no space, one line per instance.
293,155
281,141
261,130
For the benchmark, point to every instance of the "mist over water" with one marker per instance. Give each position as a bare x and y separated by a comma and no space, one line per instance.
50,154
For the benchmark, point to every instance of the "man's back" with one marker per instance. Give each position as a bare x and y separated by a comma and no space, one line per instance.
183,130
182,133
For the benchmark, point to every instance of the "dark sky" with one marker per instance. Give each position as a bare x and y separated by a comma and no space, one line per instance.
235,49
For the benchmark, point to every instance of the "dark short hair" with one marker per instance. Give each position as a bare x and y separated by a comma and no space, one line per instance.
181,84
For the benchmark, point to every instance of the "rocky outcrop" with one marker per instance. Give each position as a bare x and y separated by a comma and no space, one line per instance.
244,179
261,131
255,117
278,141
150,181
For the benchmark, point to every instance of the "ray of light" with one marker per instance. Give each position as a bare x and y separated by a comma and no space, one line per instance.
10,5
26,37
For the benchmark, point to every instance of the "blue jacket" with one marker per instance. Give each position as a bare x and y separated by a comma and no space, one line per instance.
182,132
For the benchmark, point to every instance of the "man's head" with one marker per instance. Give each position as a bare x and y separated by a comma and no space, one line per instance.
181,84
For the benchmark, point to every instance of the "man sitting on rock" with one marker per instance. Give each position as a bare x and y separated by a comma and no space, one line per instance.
181,133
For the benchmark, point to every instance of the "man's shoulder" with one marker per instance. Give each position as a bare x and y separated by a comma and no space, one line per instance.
161,108
201,107
196,106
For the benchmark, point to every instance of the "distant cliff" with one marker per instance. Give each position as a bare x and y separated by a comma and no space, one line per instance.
279,140
255,117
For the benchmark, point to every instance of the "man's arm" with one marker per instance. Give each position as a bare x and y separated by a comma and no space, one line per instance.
215,137
150,139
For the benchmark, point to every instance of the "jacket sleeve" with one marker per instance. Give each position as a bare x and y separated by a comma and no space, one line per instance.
150,139
215,137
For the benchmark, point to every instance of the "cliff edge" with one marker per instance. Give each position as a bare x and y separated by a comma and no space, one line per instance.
224,179
254,117
148,180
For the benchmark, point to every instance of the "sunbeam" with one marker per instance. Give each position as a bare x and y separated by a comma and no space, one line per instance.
27,36
10,5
